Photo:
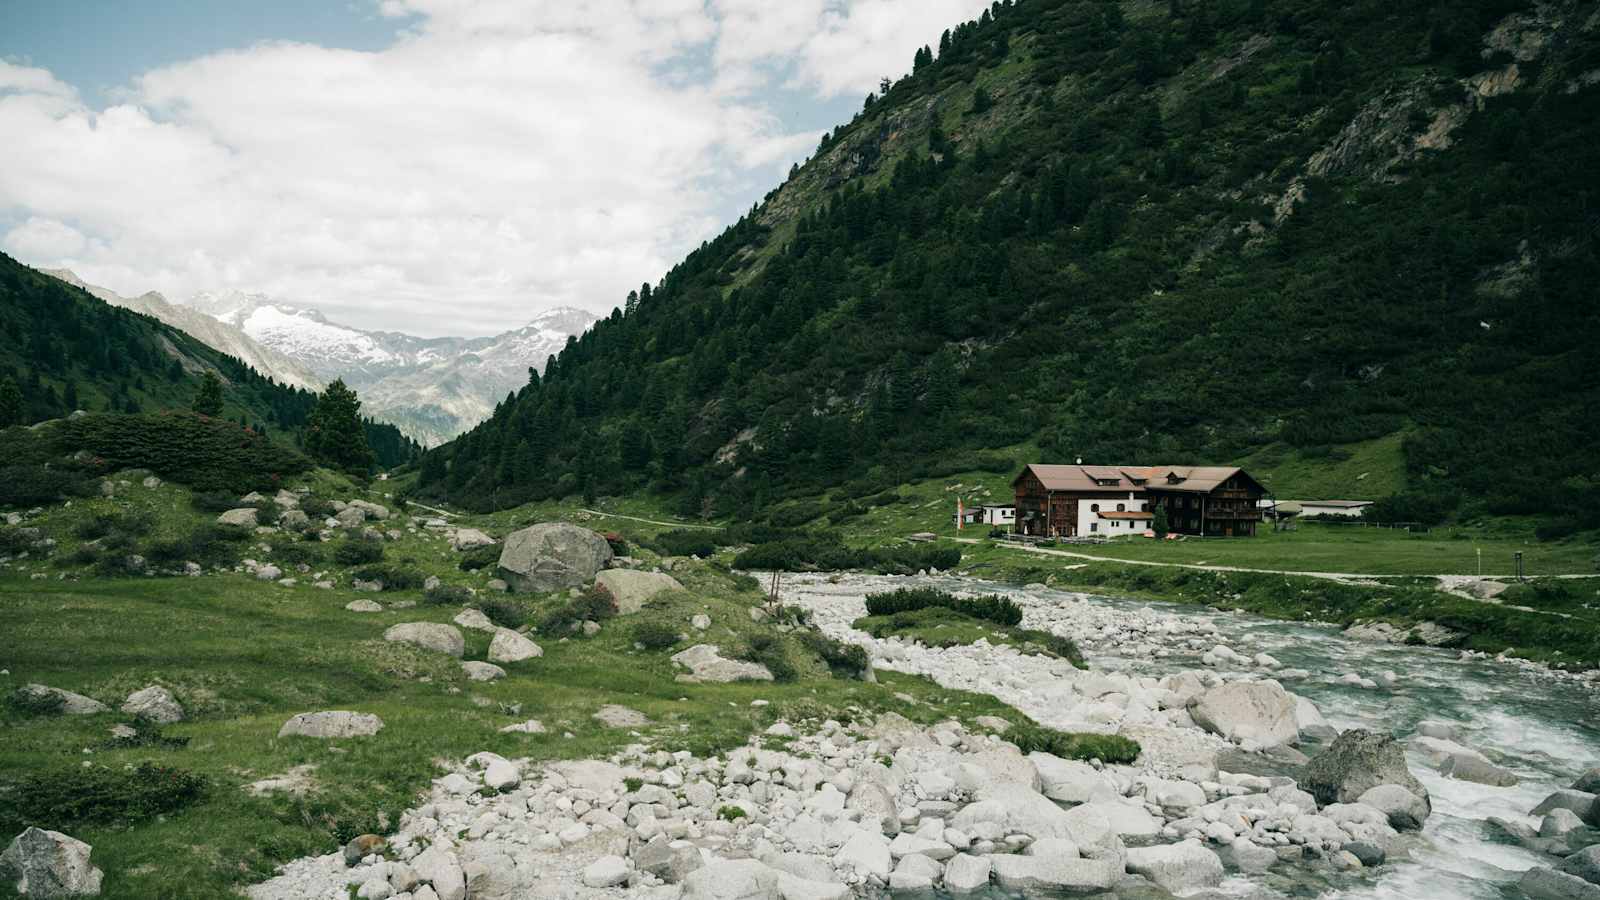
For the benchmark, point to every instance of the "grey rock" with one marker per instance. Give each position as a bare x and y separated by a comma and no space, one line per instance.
335,723
293,520
631,589
1179,868
1559,822
482,671
469,538
1355,763
614,716
966,874
509,646
373,510
706,663
1052,864
475,620
876,804
440,868
1474,768
1548,884
552,556
1261,712
364,606
1588,782
71,704
669,860
1369,853
350,517
607,871
429,636
1405,810
749,879
245,517
49,864
1585,864
155,703
1583,804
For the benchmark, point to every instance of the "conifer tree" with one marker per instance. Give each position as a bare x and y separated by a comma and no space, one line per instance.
334,433
10,403
208,399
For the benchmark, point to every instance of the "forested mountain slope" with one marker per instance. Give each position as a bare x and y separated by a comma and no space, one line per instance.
68,350
1183,231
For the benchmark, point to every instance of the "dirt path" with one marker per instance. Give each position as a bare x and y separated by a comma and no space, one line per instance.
433,509
596,512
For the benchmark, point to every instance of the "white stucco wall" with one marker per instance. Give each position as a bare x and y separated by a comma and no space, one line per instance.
1090,523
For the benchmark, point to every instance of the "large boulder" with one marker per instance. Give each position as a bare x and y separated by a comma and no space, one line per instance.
1179,868
552,556
155,703
1356,762
1475,768
71,704
1405,810
706,663
1585,864
373,510
1071,781
632,589
429,636
749,879
1261,712
50,864
333,723
1052,864
1547,884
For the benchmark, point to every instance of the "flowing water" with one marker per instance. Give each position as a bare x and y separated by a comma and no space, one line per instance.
1544,728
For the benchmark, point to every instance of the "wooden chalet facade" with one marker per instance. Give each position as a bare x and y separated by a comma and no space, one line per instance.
1084,501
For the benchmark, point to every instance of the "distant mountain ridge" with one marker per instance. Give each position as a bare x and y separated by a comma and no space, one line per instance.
217,334
432,388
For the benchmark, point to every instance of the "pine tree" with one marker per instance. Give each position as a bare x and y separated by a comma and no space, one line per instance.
334,433
69,396
10,403
208,399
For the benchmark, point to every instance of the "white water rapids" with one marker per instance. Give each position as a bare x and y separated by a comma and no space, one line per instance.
1545,727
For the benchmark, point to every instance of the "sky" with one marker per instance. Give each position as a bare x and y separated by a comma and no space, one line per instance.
432,166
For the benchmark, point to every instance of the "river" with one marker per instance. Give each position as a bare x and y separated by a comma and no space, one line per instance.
1545,727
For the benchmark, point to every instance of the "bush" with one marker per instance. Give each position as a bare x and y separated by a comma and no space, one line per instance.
593,605
205,453
1052,644
77,796
358,551
133,524
685,542
655,635
316,508
394,578
795,515
991,608
28,485
15,540
209,543
447,595
843,660
503,611
812,553
769,650
617,543
479,558
297,552
214,501
1112,749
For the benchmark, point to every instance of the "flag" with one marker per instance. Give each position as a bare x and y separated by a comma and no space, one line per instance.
961,514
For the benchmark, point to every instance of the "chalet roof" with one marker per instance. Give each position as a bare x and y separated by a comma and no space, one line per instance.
1338,504
1122,479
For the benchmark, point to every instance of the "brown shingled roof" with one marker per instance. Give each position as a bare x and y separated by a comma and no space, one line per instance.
1199,479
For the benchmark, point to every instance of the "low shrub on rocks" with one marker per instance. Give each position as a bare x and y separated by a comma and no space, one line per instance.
210,543
448,595
32,704
1112,749
1051,644
296,552
503,611
358,551
479,558
394,578
105,525
772,651
15,540
70,797
686,542
843,660
593,605
316,508
655,635
992,608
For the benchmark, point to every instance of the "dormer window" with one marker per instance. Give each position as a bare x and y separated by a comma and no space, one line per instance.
1174,478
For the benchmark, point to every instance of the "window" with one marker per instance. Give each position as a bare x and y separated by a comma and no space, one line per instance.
1094,526
1094,507
1122,507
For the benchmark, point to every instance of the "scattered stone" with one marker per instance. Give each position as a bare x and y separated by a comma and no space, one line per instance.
509,646
1404,810
631,589
614,716
363,606
71,704
470,538
532,726
429,636
244,517
482,671
1474,768
475,620
155,703
552,556
332,724
50,864
1547,884
700,622
667,859
1588,782
966,874
706,663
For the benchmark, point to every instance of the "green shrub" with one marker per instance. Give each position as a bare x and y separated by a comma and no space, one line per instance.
447,595
99,795
795,515
31,484
394,578
730,813
30,704
1112,749
316,508
297,552
632,785
991,608
358,551
132,523
479,558
843,660
205,453
685,542
503,611
771,651
1051,644
593,605
15,540
655,635
207,544
214,501
811,553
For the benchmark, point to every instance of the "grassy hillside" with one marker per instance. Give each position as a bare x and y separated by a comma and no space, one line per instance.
1298,233
67,350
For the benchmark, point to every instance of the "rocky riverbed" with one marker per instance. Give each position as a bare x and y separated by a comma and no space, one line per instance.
1279,760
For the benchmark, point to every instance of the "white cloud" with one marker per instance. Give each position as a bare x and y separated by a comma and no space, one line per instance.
500,157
